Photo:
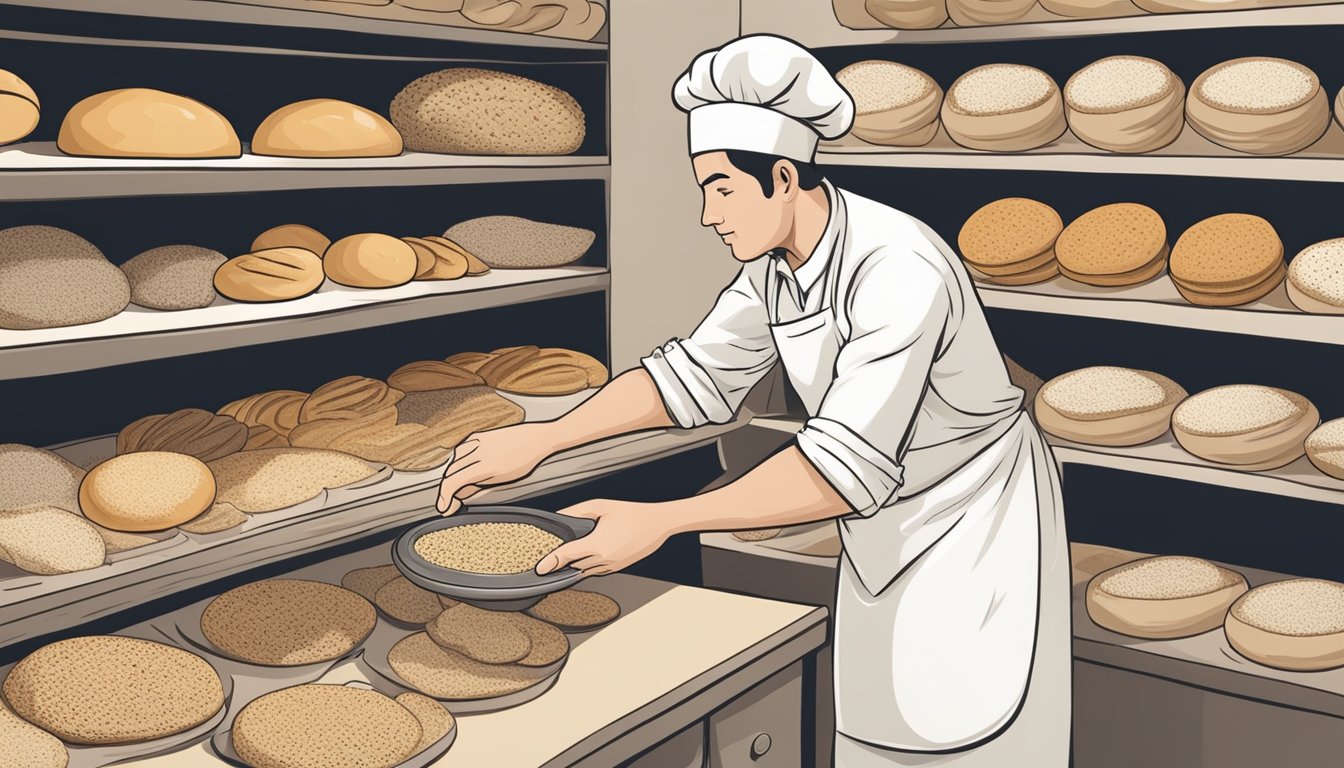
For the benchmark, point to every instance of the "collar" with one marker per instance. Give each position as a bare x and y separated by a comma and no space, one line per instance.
815,266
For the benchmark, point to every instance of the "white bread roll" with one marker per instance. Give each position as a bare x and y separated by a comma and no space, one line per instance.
1316,278
325,128
971,13
370,260
1325,448
1091,9
1297,624
1004,108
1107,405
1125,104
1163,598
143,122
1259,105
19,108
1245,425
146,491
894,104
905,14
275,274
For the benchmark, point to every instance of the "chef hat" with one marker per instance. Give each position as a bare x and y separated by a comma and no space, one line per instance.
764,94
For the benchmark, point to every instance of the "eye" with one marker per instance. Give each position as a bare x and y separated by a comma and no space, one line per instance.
724,191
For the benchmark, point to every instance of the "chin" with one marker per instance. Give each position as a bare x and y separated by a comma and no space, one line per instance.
744,254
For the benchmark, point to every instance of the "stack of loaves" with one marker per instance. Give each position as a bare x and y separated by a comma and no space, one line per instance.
1114,245
1228,260
1011,242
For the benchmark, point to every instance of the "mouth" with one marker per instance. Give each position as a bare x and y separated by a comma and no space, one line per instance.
725,235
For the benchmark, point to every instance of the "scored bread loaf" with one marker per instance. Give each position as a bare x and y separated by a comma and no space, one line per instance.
1316,278
190,430
1114,245
143,122
426,375
325,128
895,105
1325,448
274,274
1163,598
438,259
50,278
19,108
1125,104
1248,426
173,277
278,409
1107,405
529,372
1004,108
1259,105
292,236
512,242
347,398
1297,625
270,479
370,260
472,111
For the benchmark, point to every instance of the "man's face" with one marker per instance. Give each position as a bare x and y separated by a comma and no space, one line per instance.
750,220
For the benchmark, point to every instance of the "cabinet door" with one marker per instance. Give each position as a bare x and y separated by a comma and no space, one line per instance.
763,727
684,750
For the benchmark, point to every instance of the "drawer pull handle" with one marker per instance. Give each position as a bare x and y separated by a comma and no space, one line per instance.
760,745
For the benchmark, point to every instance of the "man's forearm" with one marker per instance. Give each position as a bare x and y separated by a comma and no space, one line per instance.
783,490
628,403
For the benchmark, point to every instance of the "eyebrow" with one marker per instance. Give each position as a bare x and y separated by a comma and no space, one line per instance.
713,177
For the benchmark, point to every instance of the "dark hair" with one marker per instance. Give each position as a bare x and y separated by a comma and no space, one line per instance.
762,168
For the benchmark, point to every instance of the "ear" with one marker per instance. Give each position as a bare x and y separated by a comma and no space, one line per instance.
786,180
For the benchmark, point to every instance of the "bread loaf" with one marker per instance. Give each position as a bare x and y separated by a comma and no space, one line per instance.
1114,245
1248,426
1325,448
525,371
1012,238
1162,598
325,128
370,261
347,398
143,122
190,430
1259,105
19,108
32,476
902,14
270,479
894,104
1297,625
292,236
325,725
275,274
471,361
287,622
426,375
512,242
472,111
1107,405
173,277
437,260
474,265
278,409
46,541
1004,108
1316,278
1227,260
27,746
1125,104
146,491
51,278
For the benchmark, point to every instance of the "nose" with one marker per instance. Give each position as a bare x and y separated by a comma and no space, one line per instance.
708,217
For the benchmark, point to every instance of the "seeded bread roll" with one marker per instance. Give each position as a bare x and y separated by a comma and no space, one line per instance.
427,375
325,128
1296,625
370,261
1248,426
491,637
1325,448
895,105
366,582
292,236
1259,105
143,122
173,277
449,676
1125,104
46,540
900,14
1114,245
287,622
275,274
26,745
512,242
1012,241
332,726
147,491
1226,260
1004,108
574,610
19,108
1107,405
50,278
1316,278
278,409
482,112
1162,598
971,13
190,430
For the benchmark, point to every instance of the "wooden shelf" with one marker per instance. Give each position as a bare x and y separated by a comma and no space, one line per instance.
32,606
138,334
814,24
38,171
1164,457
1157,302
385,20
1190,155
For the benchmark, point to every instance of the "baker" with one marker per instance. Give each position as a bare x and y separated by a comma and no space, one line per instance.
952,632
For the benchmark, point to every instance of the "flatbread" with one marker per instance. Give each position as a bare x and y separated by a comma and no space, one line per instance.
574,610
287,622
325,726
435,719
549,644
407,603
367,581
489,636
448,675
26,745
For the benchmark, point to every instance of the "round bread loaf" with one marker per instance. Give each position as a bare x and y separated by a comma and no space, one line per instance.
173,277
906,14
267,479
434,718
1316,278
428,375
292,236
325,726
1004,108
472,111
526,371
1246,425
1114,245
512,242
597,372
1125,104
51,278
26,745
1012,236
278,409
147,491
438,258
190,430
143,122
575,610
1259,105
1107,405
275,274
19,108
1091,9
287,622
106,689
403,601
1235,254
1325,448
972,13
34,476
1162,598
895,105
370,261
46,541
366,582
549,644
492,637
325,128
1296,625
356,394
449,676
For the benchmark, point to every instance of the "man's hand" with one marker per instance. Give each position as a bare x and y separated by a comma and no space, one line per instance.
490,458
626,533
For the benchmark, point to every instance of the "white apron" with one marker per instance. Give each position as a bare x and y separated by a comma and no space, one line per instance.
952,638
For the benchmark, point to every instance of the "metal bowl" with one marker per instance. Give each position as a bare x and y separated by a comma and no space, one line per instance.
496,592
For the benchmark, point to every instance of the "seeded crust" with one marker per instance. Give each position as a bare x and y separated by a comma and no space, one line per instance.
482,112
1108,392
105,689
1118,83
1238,409
762,534
492,637
173,277
277,409
1167,578
1111,239
513,242
878,86
147,491
1325,448
287,622
31,476
434,718
325,726
47,541
366,582
268,479
26,745
405,602
549,643
1000,89
1257,85
1232,251
575,610
448,675
51,278
1296,607
1318,271
192,431
1009,231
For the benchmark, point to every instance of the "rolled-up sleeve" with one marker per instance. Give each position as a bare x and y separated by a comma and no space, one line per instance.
704,378
898,308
